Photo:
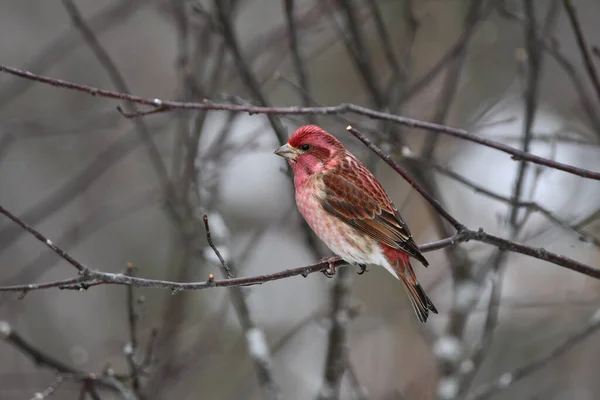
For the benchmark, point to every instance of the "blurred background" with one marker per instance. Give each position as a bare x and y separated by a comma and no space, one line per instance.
114,190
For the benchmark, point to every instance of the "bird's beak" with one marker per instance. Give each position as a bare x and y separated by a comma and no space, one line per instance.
288,152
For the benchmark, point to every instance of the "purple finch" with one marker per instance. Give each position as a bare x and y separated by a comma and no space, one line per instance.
349,210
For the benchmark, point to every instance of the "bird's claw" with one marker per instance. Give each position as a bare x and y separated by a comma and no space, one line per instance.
327,273
363,269
330,271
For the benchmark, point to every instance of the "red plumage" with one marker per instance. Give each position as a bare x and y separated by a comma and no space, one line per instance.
349,210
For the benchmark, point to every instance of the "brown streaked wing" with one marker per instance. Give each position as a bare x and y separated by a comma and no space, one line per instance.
358,199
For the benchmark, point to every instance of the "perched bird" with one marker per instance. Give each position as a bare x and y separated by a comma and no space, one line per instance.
349,210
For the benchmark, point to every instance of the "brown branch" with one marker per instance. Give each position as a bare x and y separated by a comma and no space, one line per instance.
94,278
584,48
329,110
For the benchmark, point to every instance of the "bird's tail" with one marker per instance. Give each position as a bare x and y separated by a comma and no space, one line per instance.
419,300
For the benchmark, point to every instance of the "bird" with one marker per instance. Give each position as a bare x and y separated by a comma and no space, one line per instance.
348,209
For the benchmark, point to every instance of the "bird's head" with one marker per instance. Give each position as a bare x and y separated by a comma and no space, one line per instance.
309,150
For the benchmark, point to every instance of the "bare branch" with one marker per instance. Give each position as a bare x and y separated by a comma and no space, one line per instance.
329,110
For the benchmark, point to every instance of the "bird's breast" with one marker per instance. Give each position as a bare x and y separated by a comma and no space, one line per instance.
344,240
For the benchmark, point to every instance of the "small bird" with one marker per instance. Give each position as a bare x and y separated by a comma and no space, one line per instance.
348,209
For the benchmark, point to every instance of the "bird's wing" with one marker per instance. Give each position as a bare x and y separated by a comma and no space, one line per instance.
355,196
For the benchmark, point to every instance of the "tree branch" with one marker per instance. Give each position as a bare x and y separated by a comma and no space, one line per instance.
328,110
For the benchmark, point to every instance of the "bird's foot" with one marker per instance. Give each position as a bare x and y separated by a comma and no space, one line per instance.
363,269
330,271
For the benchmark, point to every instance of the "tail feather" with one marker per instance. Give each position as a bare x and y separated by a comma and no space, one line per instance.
402,269
418,299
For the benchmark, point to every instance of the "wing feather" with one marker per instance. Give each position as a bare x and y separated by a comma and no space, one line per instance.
355,196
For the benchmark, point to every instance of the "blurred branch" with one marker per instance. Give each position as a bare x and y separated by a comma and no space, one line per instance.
131,348
477,188
226,27
583,45
49,391
80,230
399,71
258,349
59,47
453,74
494,267
119,82
355,46
550,45
509,378
329,110
457,48
9,335
66,193
299,66
336,361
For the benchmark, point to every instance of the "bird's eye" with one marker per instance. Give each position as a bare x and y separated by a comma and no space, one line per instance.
305,147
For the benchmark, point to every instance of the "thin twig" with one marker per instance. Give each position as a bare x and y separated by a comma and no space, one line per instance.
214,248
80,267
